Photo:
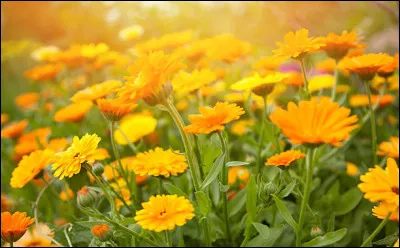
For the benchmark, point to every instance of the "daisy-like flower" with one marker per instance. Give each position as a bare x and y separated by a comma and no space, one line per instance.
73,112
35,238
388,69
392,83
57,144
159,162
213,119
351,169
227,48
43,72
389,148
238,173
96,91
134,127
13,227
164,212
69,162
71,57
297,45
131,33
4,118
320,82
259,85
381,185
41,134
285,158
27,100
383,209
322,122
29,167
184,82
327,65
115,109
359,100
337,46
240,127
14,129
150,78
365,66
270,63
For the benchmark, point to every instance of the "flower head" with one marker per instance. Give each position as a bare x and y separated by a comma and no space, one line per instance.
131,33
213,119
27,100
294,78
66,194
285,158
227,48
351,169
383,209
35,238
43,72
4,118
322,122
270,63
238,173
90,51
115,109
390,148
359,100
337,46
6,202
164,212
240,127
184,82
73,112
134,127
101,231
68,163
14,226
14,129
320,82
44,53
159,162
96,91
260,85
388,69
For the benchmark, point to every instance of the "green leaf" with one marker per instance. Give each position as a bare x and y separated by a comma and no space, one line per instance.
237,202
259,241
236,163
214,172
127,221
223,188
348,201
388,241
251,199
90,223
263,230
173,190
215,193
204,202
327,239
284,211
287,190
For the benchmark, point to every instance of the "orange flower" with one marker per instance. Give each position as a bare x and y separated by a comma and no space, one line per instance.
4,118
28,142
36,238
44,72
14,129
27,100
383,209
388,69
66,194
73,112
337,46
184,82
322,122
96,91
240,127
285,158
57,144
327,65
213,119
239,173
294,79
390,148
351,169
227,48
71,57
101,231
359,100
270,63
14,226
115,109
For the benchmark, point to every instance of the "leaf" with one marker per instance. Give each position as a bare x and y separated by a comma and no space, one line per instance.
263,230
237,203
287,190
223,188
173,190
215,193
284,211
90,223
204,202
236,163
389,240
214,172
127,221
348,201
274,234
327,239
251,199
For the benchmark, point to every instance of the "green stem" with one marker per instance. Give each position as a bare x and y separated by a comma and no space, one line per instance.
377,230
159,179
132,146
373,123
304,202
335,75
207,241
260,163
303,71
11,243
168,239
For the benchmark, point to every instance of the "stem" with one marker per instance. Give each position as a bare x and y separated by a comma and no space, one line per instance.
67,237
261,138
303,71
224,179
159,179
373,123
333,94
207,241
190,157
377,230
304,202
168,239
132,146
11,243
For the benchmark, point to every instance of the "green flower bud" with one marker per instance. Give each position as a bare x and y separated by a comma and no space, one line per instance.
86,197
98,169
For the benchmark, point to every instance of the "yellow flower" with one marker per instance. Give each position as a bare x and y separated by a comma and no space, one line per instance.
297,45
110,171
4,118
285,158
396,244
27,100
240,127
390,148
13,227
337,46
111,58
127,198
388,69
164,212
320,82
358,100
392,82
327,65
115,109
96,91
322,122
73,112
184,82
260,85
195,51
131,33
68,163
381,185
213,119
44,53
383,209
134,128
168,41
227,48
149,80
238,173
71,57
91,50
351,169
159,162
14,129
270,63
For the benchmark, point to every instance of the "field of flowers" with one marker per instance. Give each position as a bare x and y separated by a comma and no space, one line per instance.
187,139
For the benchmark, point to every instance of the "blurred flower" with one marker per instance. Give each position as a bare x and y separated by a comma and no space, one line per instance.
337,46
320,82
238,173
164,212
351,169
213,88
27,100
227,48
195,51
134,127
270,63
396,244
259,85
110,171
234,97
355,52
184,82
241,127
285,158
44,53
327,65
73,112
342,88
168,41
60,222
297,45
57,144
96,91
43,72
68,163
390,148
4,118
388,69
34,237
294,79
13,227
125,194
71,57
111,58
29,142
131,33
358,100
14,129
67,194
6,202
383,209
213,119
91,50
392,82
322,122
115,109
101,231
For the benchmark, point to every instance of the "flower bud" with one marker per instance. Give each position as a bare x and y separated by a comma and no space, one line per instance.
270,188
316,231
102,232
86,197
98,169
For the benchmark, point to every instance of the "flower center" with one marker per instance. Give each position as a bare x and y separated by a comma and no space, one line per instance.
163,213
395,190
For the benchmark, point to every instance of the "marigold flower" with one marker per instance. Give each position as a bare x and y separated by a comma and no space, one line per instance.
131,33
383,209
392,82
35,238
337,46
227,48
381,185
359,100
270,63
342,88
44,53
14,226
351,169
164,212
4,118
96,91
259,85
134,128
86,197
71,57
390,148
213,119
240,127
73,112
68,163
388,69
41,134
320,82
101,231
327,65
115,109
14,129
125,194
57,144
159,162
285,158
66,194
185,82
322,122
168,41
365,66
239,173
27,100
297,45
294,79
91,50
29,167
43,72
